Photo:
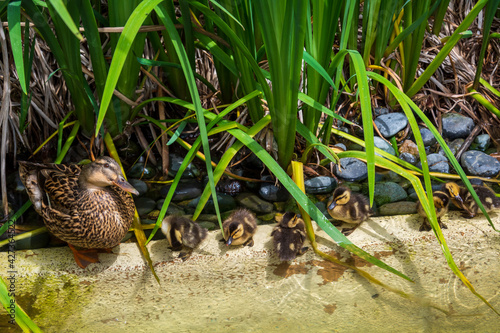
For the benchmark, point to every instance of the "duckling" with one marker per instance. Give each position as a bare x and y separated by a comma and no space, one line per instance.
183,232
289,236
441,203
487,197
349,207
239,228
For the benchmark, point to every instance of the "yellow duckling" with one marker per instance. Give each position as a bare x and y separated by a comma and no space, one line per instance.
87,206
487,197
239,228
441,203
289,236
349,207
183,232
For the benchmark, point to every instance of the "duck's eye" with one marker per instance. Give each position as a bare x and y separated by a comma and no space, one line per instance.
106,165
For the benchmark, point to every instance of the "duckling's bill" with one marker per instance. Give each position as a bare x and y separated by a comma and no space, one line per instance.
125,185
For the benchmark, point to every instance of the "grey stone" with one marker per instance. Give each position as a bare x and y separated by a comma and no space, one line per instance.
322,207
254,203
340,145
477,163
388,192
437,163
172,209
320,185
407,157
207,225
139,185
454,146
273,193
412,195
481,142
185,190
391,176
398,208
225,201
456,126
141,171
175,163
378,111
427,137
391,123
351,169
383,145
144,205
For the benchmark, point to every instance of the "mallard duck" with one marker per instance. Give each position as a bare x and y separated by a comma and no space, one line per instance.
289,236
239,228
441,203
467,203
181,231
86,206
349,207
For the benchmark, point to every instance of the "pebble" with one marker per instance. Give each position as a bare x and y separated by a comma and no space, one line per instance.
398,208
388,192
139,185
322,207
378,111
175,163
226,202
477,163
391,123
383,145
481,142
427,137
172,209
456,126
144,205
207,225
141,171
341,146
147,232
437,163
412,195
254,203
271,192
351,170
407,157
410,147
185,190
454,146
320,185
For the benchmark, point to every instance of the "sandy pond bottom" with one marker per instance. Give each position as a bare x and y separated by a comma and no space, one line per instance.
220,289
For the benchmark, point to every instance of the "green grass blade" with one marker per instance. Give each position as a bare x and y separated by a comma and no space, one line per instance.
7,299
14,20
61,9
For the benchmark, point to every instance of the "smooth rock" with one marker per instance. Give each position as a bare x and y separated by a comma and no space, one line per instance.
341,146
388,192
407,157
398,208
144,205
437,163
477,163
226,202
410,147
271,192
351,169
383,145
320,185
139,185
456,126
391,123
207,225
254,203
481,142
172,209
322,207
185,190
175,163
391,176
378,111
427,137
412,195
147,232
141,171
454,146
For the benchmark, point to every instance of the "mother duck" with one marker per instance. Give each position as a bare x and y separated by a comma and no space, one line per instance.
87,206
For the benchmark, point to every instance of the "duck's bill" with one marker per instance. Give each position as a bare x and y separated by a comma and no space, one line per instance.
332,205
124,185
229,240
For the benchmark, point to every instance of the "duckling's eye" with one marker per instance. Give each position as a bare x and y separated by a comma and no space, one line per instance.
106,165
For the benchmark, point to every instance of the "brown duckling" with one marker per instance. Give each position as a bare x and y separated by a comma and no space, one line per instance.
86,206
183,232
289,236
441,203
239,228
487,197
349,207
